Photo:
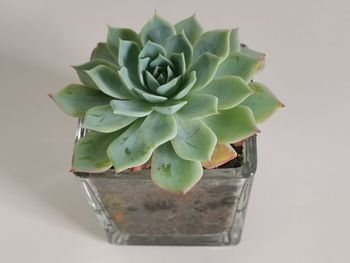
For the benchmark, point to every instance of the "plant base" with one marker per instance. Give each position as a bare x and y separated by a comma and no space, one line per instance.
134,211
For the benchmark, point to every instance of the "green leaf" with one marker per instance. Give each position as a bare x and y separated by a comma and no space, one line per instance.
135,146
194,141
157,30
116,34
101,52
169,88
179,44
151,82
205,68
102,119
90,152
142,65
132,108
161,78
81,71
179,63
152,50
172,173
76,99
170,73
133,84
129,81
232,125
230,91
161,61
193,30
256,55
108,81
150,97
128,55
186,85
253,53
216,42
263,103
235,45
169,107
240,64
199,106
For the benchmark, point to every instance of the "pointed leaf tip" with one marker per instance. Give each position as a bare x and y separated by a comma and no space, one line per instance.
157,29
232,125
76,99
192,28
262,102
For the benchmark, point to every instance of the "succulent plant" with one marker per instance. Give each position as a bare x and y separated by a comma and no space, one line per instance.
172,98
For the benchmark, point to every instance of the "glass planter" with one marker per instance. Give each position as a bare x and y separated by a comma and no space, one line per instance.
134,211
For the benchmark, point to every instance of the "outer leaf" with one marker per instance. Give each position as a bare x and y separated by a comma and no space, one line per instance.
90,152
128,55
186,85
252,53
205,68
135,146
169,107
171,172
179,44
108,81
132,108
76,99
222,154
102,119
115,34
240,64
101,52
263,103
216,42
235,45
230,91
194,141
193,30
152,50
232,125
81,70
199,106
157,30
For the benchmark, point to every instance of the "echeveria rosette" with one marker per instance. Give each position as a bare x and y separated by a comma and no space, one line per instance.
171,97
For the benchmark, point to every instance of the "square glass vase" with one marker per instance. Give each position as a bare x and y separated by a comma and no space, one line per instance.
132,210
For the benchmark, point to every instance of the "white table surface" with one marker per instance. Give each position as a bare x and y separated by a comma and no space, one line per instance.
299,207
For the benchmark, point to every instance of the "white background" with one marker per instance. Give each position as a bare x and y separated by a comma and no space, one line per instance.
299,207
